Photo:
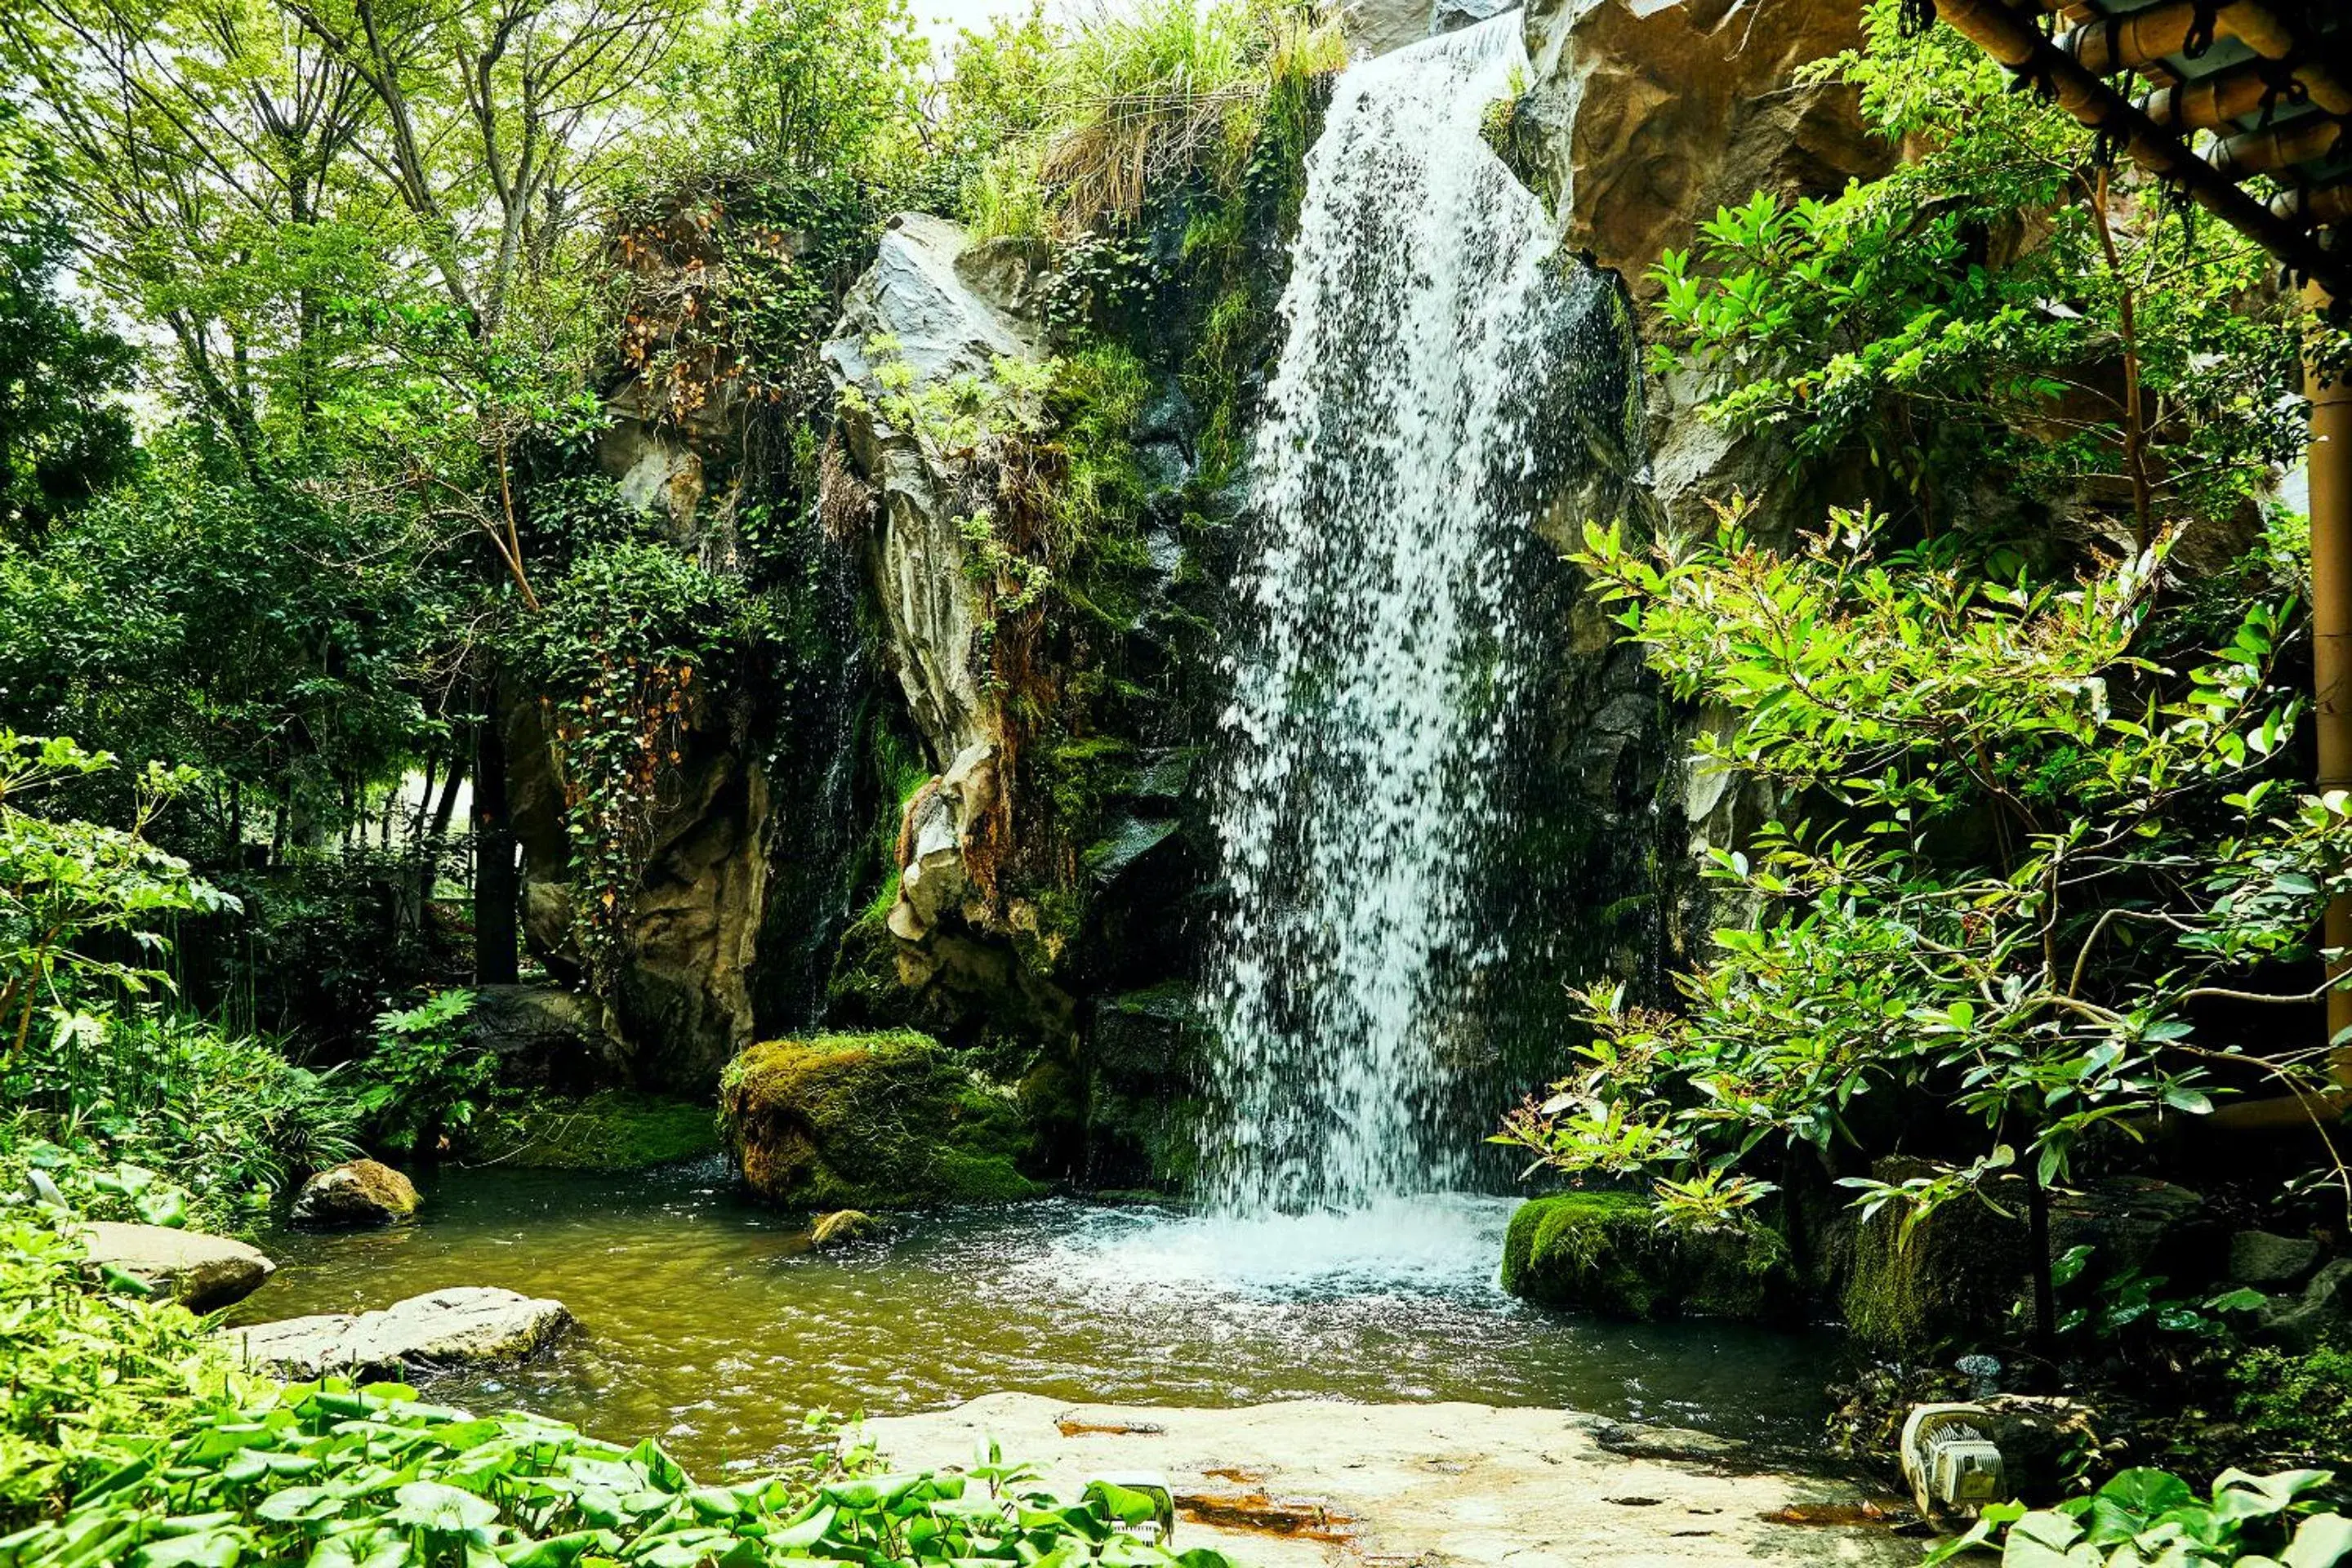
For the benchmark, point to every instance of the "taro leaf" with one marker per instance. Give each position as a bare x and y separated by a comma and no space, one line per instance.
429,1505
660,1470
368,1548
803,1533
2047,1539
1204,1557
2240,1494
211,1549
2127,1504
713,1503
300,1503
2320,1542
560,1551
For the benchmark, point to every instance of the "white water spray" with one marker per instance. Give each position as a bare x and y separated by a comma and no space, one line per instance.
1369,709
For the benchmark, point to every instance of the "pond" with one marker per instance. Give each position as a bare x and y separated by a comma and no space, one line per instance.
711,1324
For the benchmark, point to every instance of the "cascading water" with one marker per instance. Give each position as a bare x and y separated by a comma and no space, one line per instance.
1371,708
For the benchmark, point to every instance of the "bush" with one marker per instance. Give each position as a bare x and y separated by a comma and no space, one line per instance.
86,1371
2295,1407
2150,1516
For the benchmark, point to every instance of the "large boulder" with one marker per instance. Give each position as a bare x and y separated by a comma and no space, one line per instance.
201,1272
355,1193
1611,1254
1651,116
869,1122
462,1326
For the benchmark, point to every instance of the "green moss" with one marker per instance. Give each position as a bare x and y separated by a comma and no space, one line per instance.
613,1130
2295,1408
1606,1253
870,1121
1951,1282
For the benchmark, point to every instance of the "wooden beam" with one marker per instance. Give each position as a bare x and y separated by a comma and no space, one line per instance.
2012,38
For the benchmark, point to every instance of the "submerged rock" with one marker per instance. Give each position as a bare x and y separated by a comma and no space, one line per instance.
842,1228
1318,1482
201,1272
462,1326
869,1122
355,1193
1607,1253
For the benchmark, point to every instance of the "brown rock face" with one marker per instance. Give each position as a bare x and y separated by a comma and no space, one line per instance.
357,1192
1651,116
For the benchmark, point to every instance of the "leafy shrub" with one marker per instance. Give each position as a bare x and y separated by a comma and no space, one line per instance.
85,1370
2045,857
424,1080
340,1476
2295,1405
2150,1517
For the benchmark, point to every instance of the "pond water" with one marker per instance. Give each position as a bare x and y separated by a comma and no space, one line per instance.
709,1323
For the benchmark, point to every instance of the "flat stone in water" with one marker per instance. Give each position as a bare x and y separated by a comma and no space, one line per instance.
1317,1482
466,1326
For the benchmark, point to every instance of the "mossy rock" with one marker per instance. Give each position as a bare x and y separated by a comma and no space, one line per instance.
869,1122
611,1131
1606,1253
1952,1281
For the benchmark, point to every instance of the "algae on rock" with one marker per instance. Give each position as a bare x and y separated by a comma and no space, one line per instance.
1607,1253
870,1121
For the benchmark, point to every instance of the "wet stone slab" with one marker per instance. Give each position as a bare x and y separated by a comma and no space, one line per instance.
1317,1482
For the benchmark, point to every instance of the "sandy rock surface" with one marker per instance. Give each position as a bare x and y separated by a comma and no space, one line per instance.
1316,1482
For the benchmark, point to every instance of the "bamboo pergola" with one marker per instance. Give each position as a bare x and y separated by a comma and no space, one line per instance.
2244,106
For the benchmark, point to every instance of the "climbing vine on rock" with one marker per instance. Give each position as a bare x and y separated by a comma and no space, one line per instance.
616,653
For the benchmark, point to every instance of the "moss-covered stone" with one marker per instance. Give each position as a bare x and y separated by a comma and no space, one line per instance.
1952,1280
869,1122
611,1131
1606,1253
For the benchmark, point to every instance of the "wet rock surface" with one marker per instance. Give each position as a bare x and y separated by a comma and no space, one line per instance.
462,1326
1312,1483
355,1193
201,1272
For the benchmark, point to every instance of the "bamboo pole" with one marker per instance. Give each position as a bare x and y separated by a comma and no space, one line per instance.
2331,632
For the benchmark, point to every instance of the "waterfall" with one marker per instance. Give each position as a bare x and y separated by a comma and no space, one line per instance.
1372,700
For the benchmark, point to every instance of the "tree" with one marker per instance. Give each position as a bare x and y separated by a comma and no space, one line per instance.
63,437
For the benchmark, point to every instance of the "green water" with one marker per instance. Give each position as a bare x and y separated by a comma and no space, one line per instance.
709,1323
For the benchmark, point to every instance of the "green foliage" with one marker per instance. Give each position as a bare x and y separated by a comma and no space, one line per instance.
2297,1406
63,436
1068,131
425,1080
66,885
616,649
330,1475
1620,1255
86,1370
2040,852
2143,1517
224,1121
1999,304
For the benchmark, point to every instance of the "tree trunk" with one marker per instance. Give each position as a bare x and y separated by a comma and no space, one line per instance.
497,885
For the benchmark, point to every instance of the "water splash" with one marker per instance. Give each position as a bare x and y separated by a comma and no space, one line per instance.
1372,707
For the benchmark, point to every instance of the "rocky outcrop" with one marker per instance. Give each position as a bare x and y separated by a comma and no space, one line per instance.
1316,1483
1611,1254
462,1326
355,1193
201,1272
544,1037
869,1122
914,312
1650,116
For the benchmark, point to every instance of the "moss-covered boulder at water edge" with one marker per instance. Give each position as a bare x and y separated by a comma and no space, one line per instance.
869,1122
1607,1253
